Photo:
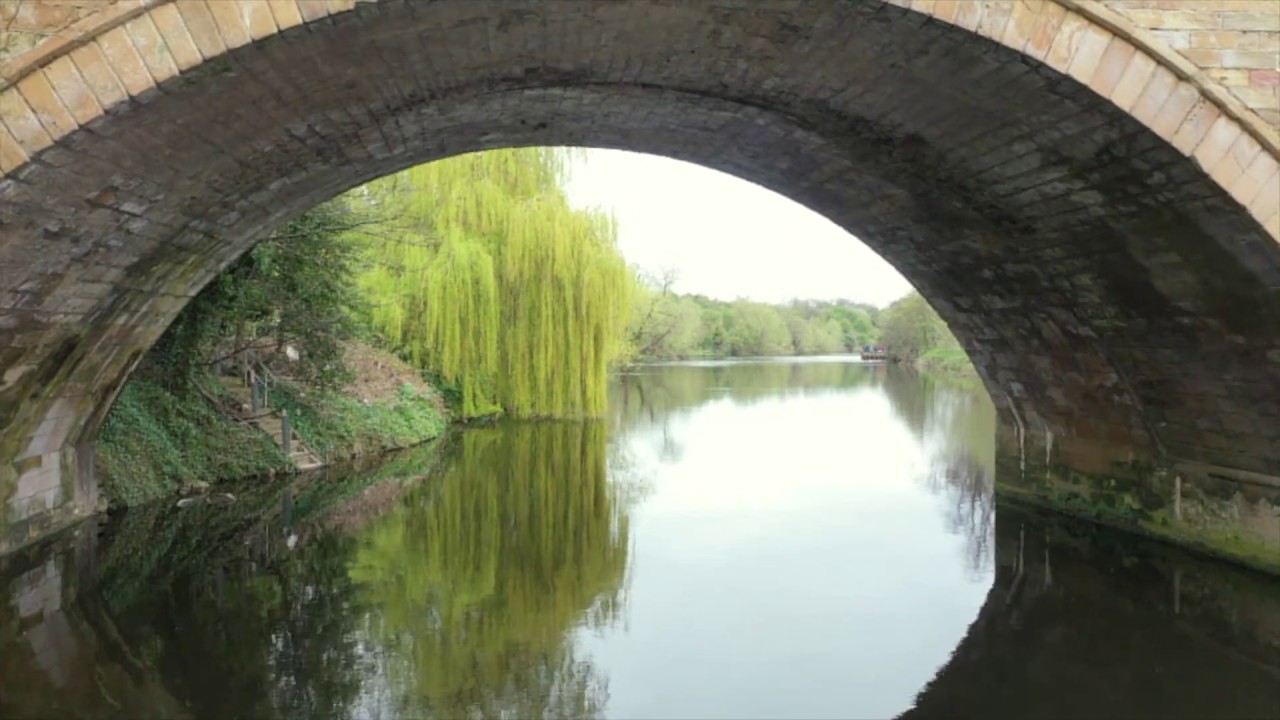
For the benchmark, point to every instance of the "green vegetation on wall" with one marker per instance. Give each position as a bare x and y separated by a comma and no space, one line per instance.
485,276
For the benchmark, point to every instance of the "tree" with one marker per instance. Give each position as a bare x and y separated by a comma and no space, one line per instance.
758,329
857,327
489,279
295,287
663,325
910,328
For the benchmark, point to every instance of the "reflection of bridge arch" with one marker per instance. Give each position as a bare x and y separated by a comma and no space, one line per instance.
1080,205
1054,640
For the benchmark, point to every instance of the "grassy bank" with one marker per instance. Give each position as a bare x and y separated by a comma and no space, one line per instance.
338,426
946,361
152,546
155,443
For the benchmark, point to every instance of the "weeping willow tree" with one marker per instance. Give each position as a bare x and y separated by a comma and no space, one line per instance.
478,580
488,278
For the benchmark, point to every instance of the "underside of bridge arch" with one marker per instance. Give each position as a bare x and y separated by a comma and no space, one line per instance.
1121,304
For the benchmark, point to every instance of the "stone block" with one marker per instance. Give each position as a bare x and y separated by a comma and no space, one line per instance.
313,10
1229,76
1088,56
1180,19
1220,40
22,122
1259,97
1115,61
285,13
1204,57
12,156
257,18
152,48
1195,127
123,60
36,483
231,24
72,90
1267,201
995,17
1150,103
1248,59
200,24
1265,18
1045,31
1255,177
1177,39
98,75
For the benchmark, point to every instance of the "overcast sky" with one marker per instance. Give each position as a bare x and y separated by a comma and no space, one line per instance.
726,237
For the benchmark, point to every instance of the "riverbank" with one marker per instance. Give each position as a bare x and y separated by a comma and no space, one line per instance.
946,361
713,357
156,443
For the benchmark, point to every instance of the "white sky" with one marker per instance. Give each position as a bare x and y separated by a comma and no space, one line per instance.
726,237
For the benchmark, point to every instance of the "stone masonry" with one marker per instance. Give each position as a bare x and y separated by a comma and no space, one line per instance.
26,23
1235,42
1094,213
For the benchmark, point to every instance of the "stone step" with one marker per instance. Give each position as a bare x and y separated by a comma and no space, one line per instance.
268,421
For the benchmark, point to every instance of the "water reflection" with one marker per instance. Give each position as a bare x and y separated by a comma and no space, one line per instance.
474,583
654,400
1083,623
957,459
776,539
952,423
792,555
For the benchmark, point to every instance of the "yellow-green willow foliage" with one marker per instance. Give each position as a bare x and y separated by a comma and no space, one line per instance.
477,582
487,277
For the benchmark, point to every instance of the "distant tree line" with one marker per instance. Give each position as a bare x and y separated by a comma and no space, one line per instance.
666,325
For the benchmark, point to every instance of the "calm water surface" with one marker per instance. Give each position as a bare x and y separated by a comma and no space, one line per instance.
791,538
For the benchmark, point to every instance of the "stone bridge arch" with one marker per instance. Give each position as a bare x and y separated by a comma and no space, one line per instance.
1093,214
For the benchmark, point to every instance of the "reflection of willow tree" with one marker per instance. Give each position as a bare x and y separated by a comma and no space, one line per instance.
480,577
956,428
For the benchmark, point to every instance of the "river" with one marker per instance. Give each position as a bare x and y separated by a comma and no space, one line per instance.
779,538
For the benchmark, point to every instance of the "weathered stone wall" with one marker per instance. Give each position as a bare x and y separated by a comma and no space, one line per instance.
1236,42
1223,512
